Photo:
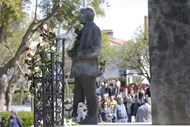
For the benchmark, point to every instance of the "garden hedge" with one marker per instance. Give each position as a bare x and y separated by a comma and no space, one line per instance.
26,117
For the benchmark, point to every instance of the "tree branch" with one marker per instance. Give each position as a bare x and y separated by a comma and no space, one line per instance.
28,34
35,14
12,62
50,15
10,50
2,28
147,74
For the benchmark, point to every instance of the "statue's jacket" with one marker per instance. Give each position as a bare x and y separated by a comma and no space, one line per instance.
86,51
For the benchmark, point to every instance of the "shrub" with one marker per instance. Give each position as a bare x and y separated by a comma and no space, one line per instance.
16,98
123,81
17,90
26,117
5,116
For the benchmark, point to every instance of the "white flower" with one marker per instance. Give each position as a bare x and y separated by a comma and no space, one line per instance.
81,111
45,27
37,69
68,106
53,48
70,38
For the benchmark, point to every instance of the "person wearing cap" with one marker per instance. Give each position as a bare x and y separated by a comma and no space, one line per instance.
14,120
144,113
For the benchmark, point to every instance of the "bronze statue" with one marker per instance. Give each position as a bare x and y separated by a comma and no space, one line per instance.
85,69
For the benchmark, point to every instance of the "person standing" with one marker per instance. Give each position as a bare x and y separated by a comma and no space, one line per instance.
84,55
14,120
142,96
118,86
134,107
128,106
120,111
147,91
113,102
106,112
144,111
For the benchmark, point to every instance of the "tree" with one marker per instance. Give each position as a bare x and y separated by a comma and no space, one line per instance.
51,12
108,51
135,54
11,15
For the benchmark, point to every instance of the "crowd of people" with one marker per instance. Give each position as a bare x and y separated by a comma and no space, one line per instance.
120,106
117,106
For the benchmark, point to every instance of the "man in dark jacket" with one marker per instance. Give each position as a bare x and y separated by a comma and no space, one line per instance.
135,105
85,69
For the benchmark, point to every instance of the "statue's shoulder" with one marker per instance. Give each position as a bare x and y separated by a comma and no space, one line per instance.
95,27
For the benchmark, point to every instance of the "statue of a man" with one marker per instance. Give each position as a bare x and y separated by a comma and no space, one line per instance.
85,69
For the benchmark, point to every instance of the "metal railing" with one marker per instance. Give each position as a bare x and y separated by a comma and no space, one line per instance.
49,88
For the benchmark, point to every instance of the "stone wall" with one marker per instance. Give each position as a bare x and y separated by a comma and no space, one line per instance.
169,34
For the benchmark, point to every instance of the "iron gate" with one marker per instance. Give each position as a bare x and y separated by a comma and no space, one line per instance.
49,87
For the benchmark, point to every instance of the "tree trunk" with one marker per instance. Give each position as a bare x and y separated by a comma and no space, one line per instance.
8,98
67,88
2,29
3,89
12,62
21,94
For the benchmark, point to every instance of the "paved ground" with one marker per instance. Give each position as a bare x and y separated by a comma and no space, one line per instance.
21,107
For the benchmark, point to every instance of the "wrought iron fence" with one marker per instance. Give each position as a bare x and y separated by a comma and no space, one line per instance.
49,87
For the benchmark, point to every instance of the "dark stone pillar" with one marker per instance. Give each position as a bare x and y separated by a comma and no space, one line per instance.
169,34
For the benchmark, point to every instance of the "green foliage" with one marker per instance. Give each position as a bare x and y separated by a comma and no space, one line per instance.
71,86
5,117
68,122
11,14
135,54
100,8
17,90
71,89
10,11
11,40
69,10
138,80
71,80
108,51
123,81
27,118
16,98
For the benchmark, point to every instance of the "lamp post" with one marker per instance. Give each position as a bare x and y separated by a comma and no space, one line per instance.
127,77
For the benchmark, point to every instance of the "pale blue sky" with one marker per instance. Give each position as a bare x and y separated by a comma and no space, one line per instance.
124,17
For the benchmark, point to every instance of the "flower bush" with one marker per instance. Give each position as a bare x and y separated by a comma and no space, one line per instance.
82,112
39,57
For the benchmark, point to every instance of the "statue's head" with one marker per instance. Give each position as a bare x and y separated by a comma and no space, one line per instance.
86,14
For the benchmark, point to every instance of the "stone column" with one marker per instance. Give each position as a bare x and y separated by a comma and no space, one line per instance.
169,34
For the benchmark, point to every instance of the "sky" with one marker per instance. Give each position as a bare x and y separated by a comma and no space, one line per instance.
123,17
